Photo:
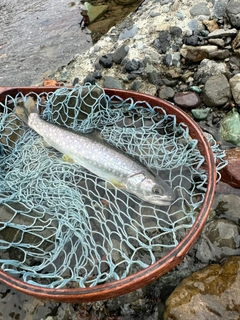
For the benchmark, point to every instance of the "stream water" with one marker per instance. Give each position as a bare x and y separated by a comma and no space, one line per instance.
37,37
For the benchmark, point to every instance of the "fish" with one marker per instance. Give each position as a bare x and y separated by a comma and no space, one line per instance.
99,157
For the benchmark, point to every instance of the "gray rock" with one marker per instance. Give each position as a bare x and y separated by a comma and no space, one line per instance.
166,93
106,61
136,85
200,9
167,59
233,12
219,9
152,73
200,114
193,24
219,239
220,54
132,65
110,82
219,33
235,87
208,68
162,43
216,91
120,54
128,32
227,206
217,41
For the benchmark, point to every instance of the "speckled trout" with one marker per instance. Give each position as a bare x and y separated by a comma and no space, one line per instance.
100,158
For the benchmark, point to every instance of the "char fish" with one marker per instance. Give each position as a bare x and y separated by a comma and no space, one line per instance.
100,158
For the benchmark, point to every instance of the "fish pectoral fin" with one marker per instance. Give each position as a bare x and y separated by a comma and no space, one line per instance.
66,158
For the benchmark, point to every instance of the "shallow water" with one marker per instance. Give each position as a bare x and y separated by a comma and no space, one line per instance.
37,37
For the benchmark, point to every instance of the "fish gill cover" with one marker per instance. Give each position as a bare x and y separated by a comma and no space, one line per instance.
60,224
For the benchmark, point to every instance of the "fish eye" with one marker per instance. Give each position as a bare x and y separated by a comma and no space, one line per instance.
157,191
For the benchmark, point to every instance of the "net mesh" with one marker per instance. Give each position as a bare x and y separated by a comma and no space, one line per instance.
61,226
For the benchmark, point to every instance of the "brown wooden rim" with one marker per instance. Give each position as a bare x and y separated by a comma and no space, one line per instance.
160,267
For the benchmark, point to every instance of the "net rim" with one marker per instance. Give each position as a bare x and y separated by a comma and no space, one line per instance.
161,266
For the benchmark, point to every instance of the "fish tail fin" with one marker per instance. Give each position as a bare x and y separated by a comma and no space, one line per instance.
23,112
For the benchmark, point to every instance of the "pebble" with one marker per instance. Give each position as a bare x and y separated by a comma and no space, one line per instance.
106,61
196,54
200,9
235,87
110,82
219,239
187,100
233,12
166,93
120,53
219,9
230,127
201,114
162,43
216,91
220,33
128,33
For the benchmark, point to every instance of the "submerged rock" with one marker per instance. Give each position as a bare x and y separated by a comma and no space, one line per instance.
211,293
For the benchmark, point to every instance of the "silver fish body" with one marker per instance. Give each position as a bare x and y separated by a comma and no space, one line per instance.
101,159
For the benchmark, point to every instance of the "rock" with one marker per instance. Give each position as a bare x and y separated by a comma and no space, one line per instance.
89,79
220,54
132,65
227,206
166,93
193,25
187,99
231,173
233,12
218,42
236,45
230,127
162,43
106,61
152,73
219,9
197,54
128,32
110,82
220,33
200,9
120,54
200,114
219,239
192,40
211,25
216,91
208,68
235,87
102,25
136,85
95,12
211,293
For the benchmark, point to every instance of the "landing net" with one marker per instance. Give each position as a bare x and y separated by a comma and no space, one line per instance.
60,225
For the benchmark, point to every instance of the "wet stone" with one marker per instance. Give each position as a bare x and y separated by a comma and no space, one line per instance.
219,239
231,173
106,61
216,91
211,25
227,206
220,54
211,293
187,99
220,33
208,68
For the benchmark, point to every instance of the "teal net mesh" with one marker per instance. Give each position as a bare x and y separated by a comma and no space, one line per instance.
60,226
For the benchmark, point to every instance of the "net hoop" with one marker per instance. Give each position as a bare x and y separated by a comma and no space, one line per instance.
160,267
